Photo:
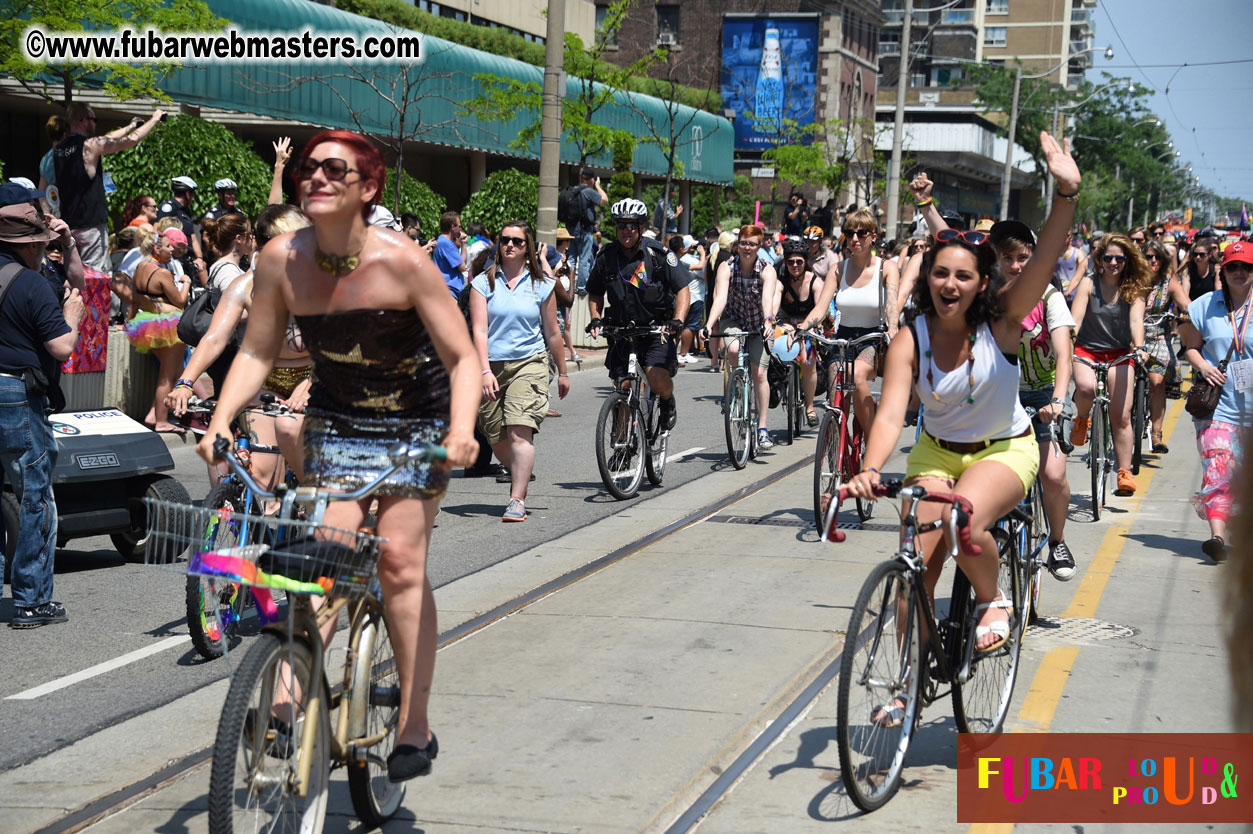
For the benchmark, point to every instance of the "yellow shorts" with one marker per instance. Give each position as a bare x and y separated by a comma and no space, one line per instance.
522,399
928,460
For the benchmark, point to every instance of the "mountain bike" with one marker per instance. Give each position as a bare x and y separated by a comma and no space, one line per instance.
275,745
897,654
841,440
1140,406
739,404
630,440
1101,461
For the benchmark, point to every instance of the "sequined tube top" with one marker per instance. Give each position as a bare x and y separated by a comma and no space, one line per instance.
375,363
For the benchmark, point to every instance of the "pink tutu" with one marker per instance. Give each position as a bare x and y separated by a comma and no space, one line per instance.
151,331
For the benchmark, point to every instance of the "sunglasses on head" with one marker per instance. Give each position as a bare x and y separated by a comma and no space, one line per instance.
334,169
1113,259
519,242
974,238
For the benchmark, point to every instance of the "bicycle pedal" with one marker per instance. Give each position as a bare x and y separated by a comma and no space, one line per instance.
385,695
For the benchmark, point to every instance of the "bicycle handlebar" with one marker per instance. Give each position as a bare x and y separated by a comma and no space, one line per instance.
1131,356
959,513
878,336
399,455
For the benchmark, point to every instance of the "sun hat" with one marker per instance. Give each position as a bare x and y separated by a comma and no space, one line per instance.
563,234
21,224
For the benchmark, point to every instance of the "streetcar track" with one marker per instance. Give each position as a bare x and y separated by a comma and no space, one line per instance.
125,797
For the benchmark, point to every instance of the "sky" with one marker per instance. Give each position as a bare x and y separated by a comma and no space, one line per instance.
1208,110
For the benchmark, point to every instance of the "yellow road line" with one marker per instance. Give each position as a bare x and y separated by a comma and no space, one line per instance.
1040,703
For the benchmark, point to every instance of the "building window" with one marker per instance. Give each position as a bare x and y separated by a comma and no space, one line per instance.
998,7
918,79
995,35
610,38
667,25
890,43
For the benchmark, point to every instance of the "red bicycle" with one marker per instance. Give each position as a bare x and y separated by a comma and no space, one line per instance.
841,441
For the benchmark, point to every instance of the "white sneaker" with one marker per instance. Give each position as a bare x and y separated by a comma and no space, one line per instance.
690,359
682,359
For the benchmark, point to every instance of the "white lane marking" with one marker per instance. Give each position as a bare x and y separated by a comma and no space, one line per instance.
98,669
687,452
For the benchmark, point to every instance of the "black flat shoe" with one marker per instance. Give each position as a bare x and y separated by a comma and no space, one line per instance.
408,762
1215,548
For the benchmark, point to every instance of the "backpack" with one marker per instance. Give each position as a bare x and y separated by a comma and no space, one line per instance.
198,315
570,207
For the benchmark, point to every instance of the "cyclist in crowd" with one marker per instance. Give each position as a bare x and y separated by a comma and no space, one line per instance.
722,251
1163,288
798,299
1217,330
288,380
393,361
645,285
1109,314
960,351
821,259
1071,267
513,313
745,292
694,258
866,296
1044,364
157,303
1197,273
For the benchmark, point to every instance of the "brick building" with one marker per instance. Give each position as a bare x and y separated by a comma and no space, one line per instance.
691,30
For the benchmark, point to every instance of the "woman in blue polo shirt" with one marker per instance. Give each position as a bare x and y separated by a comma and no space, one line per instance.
513,314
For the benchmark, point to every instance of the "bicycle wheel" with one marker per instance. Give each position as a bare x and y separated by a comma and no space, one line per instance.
1097,462
981,701
880,668
852,465
827,464
257,750
374,715
1034,562
1139,420
619,447
213,603
738,419
655,461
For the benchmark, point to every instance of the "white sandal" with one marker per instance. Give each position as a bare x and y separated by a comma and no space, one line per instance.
999,628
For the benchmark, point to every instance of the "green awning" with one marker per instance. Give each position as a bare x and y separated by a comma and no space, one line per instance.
443,79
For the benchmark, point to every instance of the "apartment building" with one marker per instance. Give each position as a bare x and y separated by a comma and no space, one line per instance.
946,134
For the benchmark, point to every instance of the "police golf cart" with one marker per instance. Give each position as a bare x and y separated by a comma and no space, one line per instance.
107,464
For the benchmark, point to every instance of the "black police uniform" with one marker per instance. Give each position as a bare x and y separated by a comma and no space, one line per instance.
652,302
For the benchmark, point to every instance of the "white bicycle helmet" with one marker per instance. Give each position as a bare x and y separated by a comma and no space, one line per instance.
629,210
227,184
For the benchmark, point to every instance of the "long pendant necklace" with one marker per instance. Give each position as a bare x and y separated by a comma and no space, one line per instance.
970,371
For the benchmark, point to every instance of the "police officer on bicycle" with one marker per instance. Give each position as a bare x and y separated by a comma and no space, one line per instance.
644,285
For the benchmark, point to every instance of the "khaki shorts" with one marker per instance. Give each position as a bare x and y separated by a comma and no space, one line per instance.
928,460
522,399
758,355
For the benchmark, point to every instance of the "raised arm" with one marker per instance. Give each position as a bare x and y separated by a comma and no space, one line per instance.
118,140
921,186
69,248
282,153
1022,293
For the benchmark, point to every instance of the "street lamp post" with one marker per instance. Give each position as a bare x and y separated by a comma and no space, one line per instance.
1013,118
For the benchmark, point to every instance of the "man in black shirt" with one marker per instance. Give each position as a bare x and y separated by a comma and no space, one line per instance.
591,195
183,192
80,179
645,285
36,334
228,193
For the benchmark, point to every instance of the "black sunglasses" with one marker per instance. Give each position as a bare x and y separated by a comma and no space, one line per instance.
861,232
794,261
1113,259
334,169
519,242
974,238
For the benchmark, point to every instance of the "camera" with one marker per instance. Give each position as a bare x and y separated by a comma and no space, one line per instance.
164,116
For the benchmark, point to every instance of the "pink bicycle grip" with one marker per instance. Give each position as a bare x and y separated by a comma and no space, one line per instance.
267,608
225,565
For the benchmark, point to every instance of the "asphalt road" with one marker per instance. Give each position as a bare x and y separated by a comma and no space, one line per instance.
119,611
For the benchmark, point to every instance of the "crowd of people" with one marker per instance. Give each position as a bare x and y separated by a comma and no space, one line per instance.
372,334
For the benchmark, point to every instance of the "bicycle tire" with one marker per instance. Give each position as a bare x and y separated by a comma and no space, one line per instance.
375,683
655,461
1096,461
789,393
619,450
881,662
260,768
1039,540
737,419
214,604
1139,417
981,702
865,506
826,464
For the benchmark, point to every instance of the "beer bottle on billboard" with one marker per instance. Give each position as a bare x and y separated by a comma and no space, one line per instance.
768,103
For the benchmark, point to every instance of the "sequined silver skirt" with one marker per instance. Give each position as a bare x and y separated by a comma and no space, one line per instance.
349,452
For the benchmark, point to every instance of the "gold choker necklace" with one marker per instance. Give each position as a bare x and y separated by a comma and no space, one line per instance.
337,265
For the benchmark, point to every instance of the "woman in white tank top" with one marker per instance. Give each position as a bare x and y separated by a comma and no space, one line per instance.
961,353
866,299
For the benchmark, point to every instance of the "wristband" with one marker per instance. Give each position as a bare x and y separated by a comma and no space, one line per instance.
1057,401
488,371
925,202
560,376
874,470
1070,198
183,383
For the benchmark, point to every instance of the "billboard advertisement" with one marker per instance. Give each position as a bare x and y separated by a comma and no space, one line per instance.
769,75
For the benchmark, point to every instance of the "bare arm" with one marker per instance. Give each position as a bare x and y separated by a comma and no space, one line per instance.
1079,307
898,378
478,327
282,153
118,140
770,295
1137,322
821,304
1178,290
909,277
62,346
1191,340
1063,350
229,312
891,288
73,262
552,339
1022,293
604,198
921,187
